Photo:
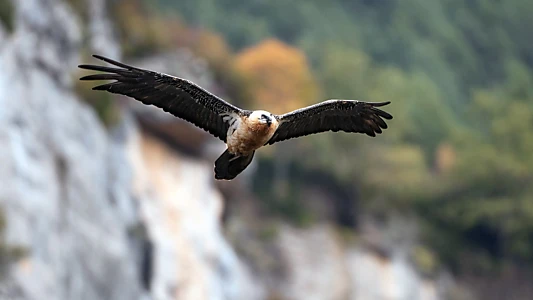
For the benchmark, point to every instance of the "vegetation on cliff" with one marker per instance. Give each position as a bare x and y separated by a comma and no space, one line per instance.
6,14
8,253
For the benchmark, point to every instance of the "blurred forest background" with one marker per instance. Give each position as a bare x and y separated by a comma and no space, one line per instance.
459,74
458,155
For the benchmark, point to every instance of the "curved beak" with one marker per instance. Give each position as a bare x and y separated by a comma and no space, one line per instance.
267,120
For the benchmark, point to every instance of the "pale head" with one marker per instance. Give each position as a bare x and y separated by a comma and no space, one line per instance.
262,117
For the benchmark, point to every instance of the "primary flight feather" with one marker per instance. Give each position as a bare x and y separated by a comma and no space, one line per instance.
243,131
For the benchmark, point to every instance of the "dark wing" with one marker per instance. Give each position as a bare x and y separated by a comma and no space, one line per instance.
334,115
180,97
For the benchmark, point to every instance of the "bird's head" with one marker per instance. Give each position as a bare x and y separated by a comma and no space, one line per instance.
262,117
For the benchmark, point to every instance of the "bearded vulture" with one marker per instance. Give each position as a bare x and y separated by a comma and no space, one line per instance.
243,131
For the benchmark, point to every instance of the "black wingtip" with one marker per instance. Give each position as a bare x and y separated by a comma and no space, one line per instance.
100,57
113,62
101,77
381,113
385,115
88,77
377,104
103,87
86,67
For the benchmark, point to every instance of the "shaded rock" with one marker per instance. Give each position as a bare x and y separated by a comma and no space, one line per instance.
55,163
376,277
314,262
10,290
319,265
182,210
99,29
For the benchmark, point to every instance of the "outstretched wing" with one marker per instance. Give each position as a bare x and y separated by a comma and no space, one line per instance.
334,115
180,97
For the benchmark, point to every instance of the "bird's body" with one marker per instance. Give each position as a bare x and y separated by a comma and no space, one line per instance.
243,131
251,132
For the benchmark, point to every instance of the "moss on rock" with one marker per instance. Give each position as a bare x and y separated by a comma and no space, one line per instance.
7,14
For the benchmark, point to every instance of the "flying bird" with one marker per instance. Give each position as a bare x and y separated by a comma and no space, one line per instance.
243,131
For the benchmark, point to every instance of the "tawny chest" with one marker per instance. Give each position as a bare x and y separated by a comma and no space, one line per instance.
249,136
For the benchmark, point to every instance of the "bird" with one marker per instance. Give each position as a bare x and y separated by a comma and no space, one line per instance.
244,131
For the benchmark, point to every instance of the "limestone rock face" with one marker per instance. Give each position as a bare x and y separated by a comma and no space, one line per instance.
318,265
98,218
182,210
3,35
56,168
374,277
315,264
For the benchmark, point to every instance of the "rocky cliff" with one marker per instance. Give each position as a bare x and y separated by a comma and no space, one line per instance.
132,211
103,214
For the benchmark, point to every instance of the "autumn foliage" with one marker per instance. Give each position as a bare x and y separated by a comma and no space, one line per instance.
278,76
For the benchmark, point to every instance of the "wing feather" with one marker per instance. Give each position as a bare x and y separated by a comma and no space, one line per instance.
178,96
332,115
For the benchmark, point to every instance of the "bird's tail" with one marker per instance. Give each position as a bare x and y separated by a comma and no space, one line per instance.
228,166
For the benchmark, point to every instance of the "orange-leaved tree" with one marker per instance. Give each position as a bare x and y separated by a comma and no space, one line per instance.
278,76
279,80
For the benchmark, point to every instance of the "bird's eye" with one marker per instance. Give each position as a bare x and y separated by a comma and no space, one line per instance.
263,116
